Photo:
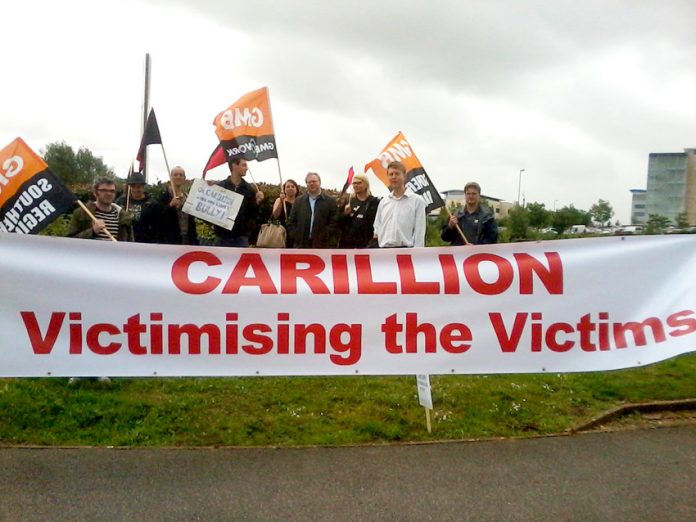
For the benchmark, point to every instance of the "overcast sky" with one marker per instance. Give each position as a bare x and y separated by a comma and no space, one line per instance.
577,93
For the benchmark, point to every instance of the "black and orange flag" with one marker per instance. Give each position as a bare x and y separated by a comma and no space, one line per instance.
398,149
31,196
151,136
245,128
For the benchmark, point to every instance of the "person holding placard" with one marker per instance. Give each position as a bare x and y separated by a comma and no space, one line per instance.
247,216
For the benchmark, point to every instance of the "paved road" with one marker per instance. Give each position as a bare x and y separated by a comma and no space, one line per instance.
632,476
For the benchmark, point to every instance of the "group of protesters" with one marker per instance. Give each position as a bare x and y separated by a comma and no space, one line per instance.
314,219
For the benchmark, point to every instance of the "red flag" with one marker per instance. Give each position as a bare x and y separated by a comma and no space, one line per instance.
151,136
216,159
349,179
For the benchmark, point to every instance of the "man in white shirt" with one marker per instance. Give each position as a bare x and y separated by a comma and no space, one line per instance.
400,220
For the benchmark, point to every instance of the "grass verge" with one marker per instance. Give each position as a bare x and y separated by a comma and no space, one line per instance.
285,411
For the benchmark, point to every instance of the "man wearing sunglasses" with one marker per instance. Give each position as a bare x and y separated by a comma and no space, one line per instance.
107,216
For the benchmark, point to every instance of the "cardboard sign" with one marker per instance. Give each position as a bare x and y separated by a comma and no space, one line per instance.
213,203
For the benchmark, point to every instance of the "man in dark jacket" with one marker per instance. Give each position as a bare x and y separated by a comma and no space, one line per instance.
176,227
106,215
248,213
145,209
313,220
475,220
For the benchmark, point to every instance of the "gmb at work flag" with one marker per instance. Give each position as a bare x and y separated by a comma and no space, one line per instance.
31,196
398,149
245,128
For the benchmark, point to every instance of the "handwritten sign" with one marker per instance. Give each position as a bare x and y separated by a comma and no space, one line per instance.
213,203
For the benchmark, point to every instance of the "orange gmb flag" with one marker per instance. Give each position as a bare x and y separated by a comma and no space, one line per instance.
31,196
399,149
245,128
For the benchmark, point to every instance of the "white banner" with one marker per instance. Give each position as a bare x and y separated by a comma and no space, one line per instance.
71,307
213,203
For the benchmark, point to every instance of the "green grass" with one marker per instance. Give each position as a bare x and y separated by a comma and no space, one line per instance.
285,411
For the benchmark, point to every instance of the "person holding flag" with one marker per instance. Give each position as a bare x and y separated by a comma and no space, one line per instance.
475,220
143,207
400,219
105,216
176,227
358,216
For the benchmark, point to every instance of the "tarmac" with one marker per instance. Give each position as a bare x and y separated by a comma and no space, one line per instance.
646,474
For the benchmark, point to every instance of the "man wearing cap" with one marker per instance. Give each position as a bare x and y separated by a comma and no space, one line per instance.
107,216
145,210
475,220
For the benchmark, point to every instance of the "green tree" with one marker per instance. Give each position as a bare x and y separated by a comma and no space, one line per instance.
73,169
539,216
682,220
566,217
518,222
656,224
601,212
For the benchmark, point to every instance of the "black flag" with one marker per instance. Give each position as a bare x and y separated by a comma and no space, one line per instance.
151,136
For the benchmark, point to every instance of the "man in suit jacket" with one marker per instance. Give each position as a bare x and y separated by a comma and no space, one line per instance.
313,220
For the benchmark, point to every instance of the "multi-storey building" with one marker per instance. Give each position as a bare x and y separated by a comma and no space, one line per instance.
671,186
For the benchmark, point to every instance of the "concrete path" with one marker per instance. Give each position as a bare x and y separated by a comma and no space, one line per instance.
633,475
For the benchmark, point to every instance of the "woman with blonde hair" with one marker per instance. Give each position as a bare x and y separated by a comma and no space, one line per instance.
359,215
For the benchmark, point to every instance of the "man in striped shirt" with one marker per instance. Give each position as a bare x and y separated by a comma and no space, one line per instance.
107,216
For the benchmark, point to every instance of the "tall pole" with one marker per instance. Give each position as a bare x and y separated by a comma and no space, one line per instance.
146,108
519,187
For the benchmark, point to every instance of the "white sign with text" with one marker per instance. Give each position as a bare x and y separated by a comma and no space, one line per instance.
213,203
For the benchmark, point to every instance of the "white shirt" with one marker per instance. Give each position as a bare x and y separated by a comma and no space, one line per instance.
400,222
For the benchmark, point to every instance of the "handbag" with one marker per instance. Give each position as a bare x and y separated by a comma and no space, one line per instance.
271,235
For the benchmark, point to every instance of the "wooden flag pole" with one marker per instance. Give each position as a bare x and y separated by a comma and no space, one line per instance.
84,207
169,171
130,173
427,420
461,232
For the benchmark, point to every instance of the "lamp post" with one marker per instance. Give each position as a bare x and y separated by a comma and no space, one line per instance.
519,187
554,204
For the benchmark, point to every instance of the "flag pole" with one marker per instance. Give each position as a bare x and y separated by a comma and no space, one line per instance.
270,109
146,108
169,171
461,232
128,190
84,207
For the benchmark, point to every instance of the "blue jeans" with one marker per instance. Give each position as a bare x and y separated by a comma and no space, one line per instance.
234,241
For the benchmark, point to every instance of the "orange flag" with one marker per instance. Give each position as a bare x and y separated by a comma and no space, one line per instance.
31,196
399,149
245,128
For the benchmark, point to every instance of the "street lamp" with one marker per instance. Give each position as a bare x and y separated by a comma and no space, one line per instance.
519,187
554,204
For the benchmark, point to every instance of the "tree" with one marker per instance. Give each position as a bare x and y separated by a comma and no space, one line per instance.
74,169
566,217
601,212
656,224
682,220
518,221
539,217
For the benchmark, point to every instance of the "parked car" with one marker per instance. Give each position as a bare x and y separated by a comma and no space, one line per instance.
629,230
